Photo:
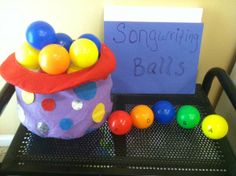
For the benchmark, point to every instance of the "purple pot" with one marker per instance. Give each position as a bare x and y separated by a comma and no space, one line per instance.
66,114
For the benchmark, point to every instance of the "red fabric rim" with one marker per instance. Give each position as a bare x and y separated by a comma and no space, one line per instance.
44,83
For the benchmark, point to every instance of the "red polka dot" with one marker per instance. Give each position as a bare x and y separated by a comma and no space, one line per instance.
48,104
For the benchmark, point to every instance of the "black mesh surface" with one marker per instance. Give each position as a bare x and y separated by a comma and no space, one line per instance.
158,150
174,144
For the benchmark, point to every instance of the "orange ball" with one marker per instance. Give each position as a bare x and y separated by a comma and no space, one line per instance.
54,59
142,116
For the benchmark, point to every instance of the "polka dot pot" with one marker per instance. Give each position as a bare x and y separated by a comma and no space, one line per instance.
66,114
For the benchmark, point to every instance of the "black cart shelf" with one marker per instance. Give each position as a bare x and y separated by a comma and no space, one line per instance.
165,150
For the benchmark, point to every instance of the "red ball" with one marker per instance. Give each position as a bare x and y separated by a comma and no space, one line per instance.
120,122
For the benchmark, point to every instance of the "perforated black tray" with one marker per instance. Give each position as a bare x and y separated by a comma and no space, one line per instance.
165,150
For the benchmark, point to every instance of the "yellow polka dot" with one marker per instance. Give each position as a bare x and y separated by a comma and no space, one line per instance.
27,97
98,113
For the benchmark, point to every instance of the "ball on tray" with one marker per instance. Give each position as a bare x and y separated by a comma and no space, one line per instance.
39,34
92,38
188,116
64,40
164,112
54,59
84,53
214,126
142,116
27,56
120,122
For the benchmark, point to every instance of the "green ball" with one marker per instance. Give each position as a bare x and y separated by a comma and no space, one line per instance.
188,116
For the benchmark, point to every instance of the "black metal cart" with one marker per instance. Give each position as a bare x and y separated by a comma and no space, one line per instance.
159,150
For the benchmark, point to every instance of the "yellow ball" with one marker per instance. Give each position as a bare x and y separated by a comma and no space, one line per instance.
214,126
72,68
27,56
84,53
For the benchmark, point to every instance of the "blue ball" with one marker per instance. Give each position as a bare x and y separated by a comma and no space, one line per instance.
164,112
94,39
64,40
39,34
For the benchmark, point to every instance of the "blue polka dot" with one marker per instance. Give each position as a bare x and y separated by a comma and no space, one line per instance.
86,91
66,124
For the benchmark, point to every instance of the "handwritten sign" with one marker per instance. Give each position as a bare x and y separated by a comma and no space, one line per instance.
154,57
